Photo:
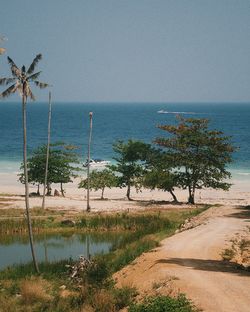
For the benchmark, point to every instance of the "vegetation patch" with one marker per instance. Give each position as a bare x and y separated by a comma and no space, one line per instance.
239,250
164,304
54,290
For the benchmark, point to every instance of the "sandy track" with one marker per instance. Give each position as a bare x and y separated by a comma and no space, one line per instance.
190,261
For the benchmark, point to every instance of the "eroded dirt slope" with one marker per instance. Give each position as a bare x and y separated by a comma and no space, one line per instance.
191,262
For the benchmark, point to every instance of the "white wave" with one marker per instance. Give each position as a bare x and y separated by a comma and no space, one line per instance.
243,173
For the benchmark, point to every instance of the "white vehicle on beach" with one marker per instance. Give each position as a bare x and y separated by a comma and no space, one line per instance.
96,163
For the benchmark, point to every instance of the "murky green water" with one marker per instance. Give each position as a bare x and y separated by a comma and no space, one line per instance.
16,249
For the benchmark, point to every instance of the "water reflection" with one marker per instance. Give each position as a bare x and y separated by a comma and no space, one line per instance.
53,247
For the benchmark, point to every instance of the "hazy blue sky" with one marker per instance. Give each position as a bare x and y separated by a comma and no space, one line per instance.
133,50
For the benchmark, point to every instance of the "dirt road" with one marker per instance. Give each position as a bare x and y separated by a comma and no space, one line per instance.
190,262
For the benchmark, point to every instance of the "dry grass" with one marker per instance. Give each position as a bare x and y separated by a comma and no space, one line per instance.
8,304
34,290
103,301
87,308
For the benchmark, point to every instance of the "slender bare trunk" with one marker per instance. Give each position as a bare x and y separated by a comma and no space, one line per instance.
27,182
90,136
47,154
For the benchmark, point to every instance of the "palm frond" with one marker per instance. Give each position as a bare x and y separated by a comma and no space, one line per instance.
34,76
29,93
6,81
41,85
11,62
8,91
20,89
34,63
16,72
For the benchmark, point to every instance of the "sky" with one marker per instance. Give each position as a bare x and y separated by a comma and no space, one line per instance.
132,50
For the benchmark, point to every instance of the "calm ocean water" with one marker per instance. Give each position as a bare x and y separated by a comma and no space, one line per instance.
112,122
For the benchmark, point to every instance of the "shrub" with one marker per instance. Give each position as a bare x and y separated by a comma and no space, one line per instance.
164,304
103,301
34,290
124,296
228,254
97,272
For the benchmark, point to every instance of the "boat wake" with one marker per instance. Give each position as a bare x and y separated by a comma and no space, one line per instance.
167,112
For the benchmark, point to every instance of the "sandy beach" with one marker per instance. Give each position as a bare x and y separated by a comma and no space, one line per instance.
75,198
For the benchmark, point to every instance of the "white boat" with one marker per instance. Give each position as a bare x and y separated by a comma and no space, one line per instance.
162,111
96,163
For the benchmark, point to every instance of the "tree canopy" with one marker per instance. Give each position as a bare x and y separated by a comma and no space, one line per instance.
130,160
199,155
61,168
99,180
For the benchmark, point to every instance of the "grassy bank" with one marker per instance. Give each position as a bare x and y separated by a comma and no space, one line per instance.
53,290
49,220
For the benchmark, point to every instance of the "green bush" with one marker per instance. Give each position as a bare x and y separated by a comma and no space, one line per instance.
164,304
124,296
97,272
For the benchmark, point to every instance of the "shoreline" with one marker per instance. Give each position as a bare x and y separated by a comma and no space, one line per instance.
75,198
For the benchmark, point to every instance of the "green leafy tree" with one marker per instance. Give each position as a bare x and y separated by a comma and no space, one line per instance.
21,82
99,180
130,163
199,155
163,180
158,173
61,167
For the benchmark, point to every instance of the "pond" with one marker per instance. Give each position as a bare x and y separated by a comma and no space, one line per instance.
55,247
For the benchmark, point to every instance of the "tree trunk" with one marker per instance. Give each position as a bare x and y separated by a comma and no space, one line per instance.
191,195
128,191
27,181
47,154
48,190
173,195
102,197
62,190
38,189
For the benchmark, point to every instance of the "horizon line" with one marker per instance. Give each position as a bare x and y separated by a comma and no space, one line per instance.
135,102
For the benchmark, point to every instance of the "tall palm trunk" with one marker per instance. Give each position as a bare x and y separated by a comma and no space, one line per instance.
27,181
47,154
90,136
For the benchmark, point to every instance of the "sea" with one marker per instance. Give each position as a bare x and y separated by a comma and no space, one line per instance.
116,121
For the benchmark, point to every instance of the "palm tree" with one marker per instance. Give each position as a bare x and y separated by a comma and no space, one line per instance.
21,80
